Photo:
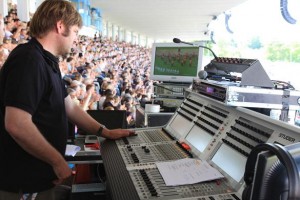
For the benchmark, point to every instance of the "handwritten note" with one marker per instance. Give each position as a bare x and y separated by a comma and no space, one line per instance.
187,171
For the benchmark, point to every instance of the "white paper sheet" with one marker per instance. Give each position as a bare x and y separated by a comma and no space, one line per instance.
71,150
187,171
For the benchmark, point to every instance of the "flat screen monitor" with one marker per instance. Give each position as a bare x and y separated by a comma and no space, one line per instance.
112,119
173,62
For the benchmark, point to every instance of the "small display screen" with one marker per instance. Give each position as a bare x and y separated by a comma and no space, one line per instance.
230,161
180,125
198,138
209,90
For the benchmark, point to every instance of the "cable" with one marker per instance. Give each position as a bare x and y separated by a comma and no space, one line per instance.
282,85
101,180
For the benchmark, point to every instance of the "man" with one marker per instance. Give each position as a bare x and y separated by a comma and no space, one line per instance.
7,47
8,28
35,108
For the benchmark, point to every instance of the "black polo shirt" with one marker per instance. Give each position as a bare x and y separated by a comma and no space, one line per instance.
30,80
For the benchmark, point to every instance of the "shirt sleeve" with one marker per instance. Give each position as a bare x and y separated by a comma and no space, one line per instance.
25,83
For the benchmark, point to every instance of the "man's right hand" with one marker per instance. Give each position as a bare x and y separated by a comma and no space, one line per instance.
62,171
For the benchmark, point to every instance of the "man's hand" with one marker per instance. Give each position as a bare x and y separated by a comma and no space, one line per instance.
62,171
118,133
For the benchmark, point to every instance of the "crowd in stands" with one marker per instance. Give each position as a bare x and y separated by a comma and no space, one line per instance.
99,72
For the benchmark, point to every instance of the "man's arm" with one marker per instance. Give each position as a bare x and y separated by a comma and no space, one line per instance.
19,125
83,120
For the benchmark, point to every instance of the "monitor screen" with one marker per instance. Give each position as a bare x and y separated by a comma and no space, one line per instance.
198,138
180,125
230,161
112,119
175,62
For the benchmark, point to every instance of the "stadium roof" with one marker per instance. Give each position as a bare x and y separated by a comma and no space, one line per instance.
163,20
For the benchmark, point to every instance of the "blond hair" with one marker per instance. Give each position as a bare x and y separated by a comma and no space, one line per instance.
49,13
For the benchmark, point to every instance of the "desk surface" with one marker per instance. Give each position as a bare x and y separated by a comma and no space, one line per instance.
83,156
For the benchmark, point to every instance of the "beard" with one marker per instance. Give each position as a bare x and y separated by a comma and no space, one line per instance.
65,49
66,33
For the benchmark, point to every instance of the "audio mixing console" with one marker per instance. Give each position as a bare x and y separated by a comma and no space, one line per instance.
201,128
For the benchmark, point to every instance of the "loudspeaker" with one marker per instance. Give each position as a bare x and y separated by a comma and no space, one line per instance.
285,159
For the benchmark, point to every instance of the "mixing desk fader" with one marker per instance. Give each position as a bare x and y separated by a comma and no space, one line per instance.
147,136
151,153
149,184
201,128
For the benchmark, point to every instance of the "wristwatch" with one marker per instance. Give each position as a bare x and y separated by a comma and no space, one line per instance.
100,130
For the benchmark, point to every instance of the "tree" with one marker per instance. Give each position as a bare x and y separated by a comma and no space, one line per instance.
277,51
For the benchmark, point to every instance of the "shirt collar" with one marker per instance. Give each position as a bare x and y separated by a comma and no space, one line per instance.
45,52
54,61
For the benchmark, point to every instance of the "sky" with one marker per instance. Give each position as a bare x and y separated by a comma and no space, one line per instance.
260,18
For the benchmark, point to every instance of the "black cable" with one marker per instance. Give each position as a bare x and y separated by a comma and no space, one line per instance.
282,84
98,174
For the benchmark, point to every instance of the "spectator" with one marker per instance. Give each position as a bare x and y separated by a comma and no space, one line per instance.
23,35
35,107
111,101
2,33
6,46
70,65
8,28
2,57
91,99
109,108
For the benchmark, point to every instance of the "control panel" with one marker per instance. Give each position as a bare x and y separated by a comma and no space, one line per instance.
240,63
232,94
201,128
248,72
211,90
170,90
